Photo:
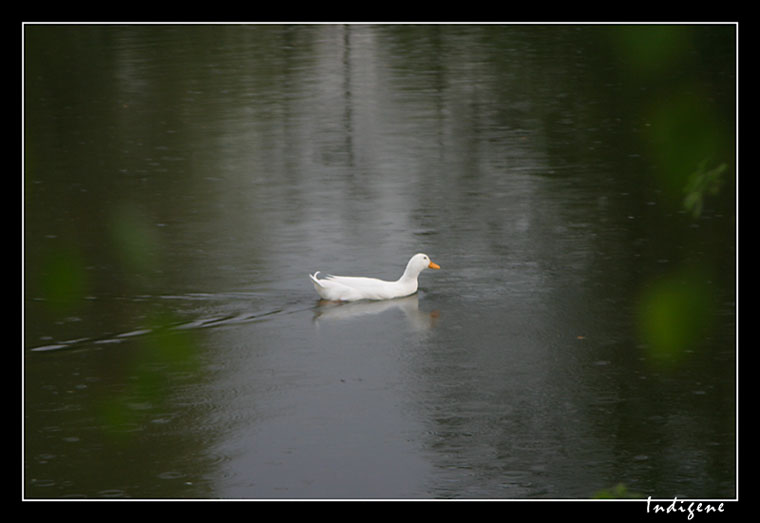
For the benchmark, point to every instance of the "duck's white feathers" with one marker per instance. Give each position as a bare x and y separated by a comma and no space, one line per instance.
353,288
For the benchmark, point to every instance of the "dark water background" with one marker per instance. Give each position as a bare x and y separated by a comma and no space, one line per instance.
575,183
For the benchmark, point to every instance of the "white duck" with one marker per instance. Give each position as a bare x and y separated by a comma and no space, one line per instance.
353,288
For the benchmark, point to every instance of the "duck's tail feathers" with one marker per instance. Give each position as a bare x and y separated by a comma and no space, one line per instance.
314,278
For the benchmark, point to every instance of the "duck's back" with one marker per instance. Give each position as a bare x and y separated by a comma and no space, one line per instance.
352,288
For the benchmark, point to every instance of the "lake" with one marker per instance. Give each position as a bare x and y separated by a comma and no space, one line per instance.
576,184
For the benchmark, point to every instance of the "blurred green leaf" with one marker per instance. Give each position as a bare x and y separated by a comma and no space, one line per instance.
684,130
649,49
619,491
702,182
63,278
133,237
674,314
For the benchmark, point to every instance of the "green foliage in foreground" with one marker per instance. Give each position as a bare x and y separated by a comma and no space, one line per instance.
619,491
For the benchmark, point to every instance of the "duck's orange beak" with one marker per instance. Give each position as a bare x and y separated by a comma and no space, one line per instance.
434,265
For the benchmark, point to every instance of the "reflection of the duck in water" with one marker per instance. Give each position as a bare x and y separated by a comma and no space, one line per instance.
418,320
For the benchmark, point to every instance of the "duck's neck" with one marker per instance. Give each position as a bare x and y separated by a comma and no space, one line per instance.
409,275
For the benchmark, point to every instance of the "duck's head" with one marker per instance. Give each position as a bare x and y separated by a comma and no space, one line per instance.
420,262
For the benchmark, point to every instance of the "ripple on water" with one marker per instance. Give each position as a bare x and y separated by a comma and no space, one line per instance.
112,493
171,474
